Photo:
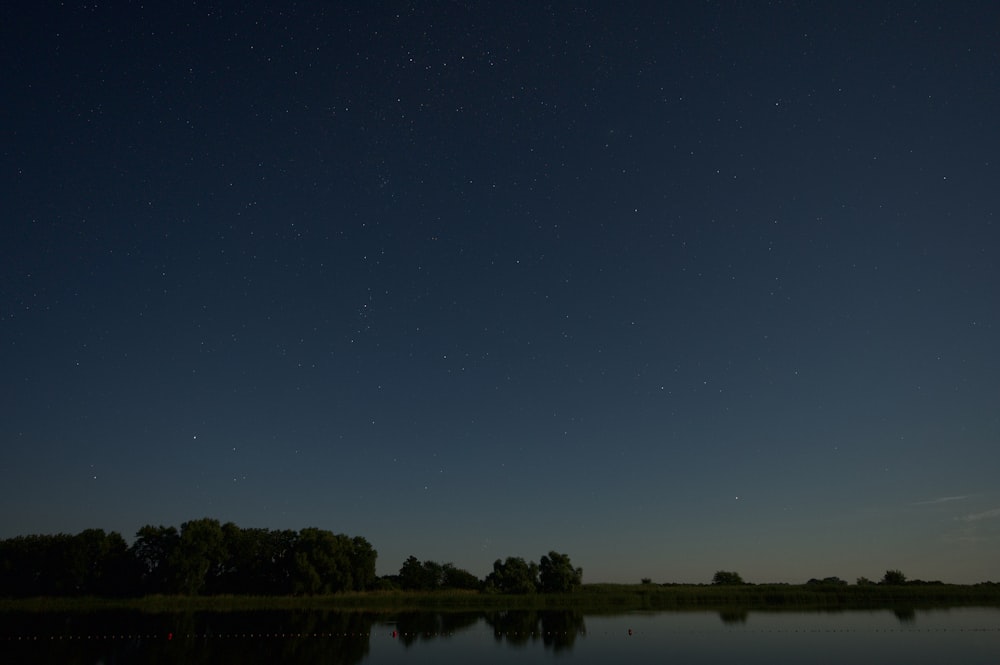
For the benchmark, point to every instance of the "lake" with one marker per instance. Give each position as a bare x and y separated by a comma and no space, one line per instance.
960,635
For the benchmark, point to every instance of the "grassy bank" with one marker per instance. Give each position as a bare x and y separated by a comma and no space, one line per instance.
592,598
792,597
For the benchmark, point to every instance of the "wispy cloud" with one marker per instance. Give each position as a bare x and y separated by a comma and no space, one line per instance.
940,500
985,515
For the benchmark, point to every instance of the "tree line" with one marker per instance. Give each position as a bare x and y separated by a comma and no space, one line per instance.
892,577
206,557
553,574
202,557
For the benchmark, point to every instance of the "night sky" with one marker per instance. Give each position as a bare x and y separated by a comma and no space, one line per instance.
669,287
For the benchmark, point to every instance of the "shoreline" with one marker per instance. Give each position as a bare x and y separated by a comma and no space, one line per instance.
590,599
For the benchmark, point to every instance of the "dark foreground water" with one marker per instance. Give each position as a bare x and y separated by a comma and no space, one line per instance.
967,635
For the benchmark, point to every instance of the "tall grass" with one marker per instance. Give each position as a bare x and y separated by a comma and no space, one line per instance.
591,598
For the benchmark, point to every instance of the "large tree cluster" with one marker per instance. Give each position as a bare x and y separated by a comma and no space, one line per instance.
554,574
202,557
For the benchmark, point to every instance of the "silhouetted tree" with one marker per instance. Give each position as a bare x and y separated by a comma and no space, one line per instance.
101,563
458,578
202,557
827,581
90,563
362,557
198,556
725,577
37,565
415,575
154,549
514,575
894,577
431,575
256,561
321,562
557,574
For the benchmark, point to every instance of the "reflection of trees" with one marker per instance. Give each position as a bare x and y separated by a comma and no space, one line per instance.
733,616
309,637
557,629
342,638
305,637
514,626
416,626
271,636
68,637
905,614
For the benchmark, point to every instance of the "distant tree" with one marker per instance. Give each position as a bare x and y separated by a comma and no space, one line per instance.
513,575
281,546
647,580
415,575
863,581
202,557
37,566
101,563
556,574
827,581
256,561
894,577
321,563
457,578
198,556
431,575
411,574
386,583
728,578
90,563
154,551
362,557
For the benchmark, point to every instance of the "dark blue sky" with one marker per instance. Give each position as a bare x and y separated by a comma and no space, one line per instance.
671,287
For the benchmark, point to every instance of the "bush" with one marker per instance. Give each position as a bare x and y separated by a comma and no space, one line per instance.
726,577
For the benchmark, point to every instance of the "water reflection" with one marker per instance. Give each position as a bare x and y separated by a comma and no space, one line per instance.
731,617
735,616
557,630
198,637
412,627
968,635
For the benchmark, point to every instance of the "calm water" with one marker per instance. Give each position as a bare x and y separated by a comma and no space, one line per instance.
967,635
